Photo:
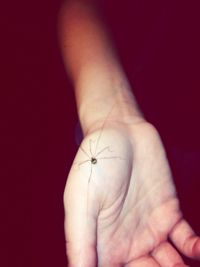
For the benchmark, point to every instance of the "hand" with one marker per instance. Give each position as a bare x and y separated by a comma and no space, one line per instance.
121,207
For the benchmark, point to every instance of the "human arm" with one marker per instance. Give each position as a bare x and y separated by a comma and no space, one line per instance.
93,65
132,209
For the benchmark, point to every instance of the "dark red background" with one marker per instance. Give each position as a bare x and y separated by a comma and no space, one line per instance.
158,42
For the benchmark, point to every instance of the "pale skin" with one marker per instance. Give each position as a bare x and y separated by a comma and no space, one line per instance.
130,216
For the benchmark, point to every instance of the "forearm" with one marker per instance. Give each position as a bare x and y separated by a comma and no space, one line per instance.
93,66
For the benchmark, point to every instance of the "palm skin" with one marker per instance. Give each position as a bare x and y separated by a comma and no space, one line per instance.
128,211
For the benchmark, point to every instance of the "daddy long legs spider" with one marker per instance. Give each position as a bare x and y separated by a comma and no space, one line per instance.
93,158
93,155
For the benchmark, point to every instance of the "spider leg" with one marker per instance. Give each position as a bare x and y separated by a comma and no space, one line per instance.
88,185
106,148
82,162
83,150
111,158
90,145
90,174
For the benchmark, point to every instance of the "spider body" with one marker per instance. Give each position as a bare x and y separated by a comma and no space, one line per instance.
93,160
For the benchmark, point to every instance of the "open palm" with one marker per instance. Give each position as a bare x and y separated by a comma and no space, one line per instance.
121,205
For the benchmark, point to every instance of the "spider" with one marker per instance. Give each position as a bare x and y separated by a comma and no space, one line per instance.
93,158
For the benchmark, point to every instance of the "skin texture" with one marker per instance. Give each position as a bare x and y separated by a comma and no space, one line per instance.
132,210
123,210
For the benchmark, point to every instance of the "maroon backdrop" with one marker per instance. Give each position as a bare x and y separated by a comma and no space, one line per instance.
158,42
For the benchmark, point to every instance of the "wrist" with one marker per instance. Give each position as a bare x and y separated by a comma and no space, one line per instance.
120,109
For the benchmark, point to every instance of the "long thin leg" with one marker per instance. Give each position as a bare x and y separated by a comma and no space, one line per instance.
102,127
82,162
88,185
111,158
106,148
90,174
90,144
83,150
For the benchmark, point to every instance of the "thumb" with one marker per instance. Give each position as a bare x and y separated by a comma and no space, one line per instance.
80,222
